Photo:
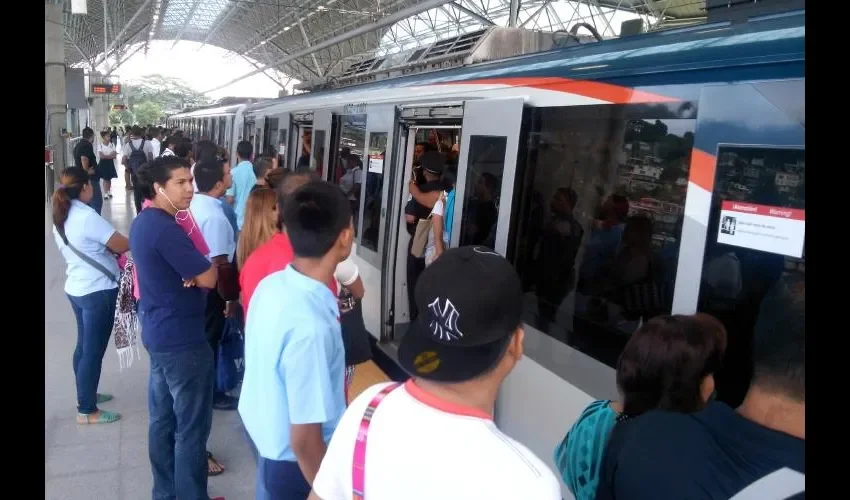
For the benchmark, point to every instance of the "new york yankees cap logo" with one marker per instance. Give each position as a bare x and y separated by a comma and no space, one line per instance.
469,301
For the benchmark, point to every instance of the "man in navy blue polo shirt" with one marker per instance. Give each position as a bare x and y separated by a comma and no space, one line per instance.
172,277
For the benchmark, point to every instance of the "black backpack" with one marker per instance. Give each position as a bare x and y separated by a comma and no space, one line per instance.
138,157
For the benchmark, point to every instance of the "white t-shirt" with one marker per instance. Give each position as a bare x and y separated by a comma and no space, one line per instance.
422,448
88,232
155,146
431,243
352,176
106,149
137,143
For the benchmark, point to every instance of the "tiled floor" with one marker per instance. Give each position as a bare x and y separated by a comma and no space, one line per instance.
106,462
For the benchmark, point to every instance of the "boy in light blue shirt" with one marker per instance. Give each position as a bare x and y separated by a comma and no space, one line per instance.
292,395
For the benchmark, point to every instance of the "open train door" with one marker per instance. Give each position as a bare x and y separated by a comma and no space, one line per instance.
321,142
489,142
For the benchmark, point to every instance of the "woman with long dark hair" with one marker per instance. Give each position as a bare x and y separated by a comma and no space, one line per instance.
668,364
89,244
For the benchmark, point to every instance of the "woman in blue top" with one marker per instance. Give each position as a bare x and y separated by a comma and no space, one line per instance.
89,245
668,364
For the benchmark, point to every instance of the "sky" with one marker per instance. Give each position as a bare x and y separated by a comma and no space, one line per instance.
201,69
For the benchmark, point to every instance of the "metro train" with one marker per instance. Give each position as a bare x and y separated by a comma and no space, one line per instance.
706,122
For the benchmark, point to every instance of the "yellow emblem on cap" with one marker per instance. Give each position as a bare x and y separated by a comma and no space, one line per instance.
426,362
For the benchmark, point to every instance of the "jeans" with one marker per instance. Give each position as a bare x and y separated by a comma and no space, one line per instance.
180,405
260,488
97,198
95,313
137,193
283,480
214,324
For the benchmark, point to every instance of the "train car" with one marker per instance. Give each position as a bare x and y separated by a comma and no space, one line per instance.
222,124
654,174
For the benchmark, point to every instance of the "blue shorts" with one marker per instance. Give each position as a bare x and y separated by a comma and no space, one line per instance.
282,480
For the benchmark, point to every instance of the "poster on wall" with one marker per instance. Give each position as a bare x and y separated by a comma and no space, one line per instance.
762,227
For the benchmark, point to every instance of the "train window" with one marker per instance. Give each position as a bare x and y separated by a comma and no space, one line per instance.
597,221
485,168
348,170
756,236
373,193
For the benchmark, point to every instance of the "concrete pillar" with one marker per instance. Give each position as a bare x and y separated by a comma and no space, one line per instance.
54,84
99,107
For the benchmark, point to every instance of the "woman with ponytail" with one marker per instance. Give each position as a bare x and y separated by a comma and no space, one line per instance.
89,245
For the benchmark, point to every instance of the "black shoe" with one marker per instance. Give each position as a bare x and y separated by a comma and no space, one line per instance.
225,402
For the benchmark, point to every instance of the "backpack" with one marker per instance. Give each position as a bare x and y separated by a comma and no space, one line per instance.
138,157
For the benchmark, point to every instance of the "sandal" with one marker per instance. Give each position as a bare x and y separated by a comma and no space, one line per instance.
99,417
213,463
103,398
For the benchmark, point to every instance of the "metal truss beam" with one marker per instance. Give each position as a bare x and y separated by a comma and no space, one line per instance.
186,23
380,23
102,57
233,8
125,58
86,58
156,18
471,13
308,44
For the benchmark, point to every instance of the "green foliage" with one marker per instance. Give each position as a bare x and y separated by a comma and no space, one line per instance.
168,93
148,113
121,118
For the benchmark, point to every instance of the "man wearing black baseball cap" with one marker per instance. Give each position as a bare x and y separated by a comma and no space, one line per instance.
439,424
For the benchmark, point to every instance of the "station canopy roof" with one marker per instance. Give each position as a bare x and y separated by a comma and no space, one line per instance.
310,39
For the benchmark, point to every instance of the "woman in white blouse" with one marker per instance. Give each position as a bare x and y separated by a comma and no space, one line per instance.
89,245
106,163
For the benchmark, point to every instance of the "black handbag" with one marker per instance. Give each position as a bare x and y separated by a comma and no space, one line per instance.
355,337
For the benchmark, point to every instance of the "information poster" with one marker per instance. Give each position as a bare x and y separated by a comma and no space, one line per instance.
762,227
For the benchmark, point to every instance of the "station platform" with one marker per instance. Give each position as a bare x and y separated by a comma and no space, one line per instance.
110,461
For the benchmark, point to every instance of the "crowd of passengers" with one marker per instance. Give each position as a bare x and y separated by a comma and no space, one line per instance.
209,240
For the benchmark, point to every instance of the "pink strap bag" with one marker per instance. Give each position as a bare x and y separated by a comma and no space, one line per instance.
358,467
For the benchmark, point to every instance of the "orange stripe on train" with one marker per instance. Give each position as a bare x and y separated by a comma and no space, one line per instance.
614,94
703,166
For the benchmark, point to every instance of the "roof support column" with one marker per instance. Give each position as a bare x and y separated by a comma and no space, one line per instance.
513,16
54,87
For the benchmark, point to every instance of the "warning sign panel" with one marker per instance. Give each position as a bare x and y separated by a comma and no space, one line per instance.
763,227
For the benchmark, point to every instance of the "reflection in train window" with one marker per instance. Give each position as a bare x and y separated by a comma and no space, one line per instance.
348,170
756,235
483,182
317,162
597,218
374,189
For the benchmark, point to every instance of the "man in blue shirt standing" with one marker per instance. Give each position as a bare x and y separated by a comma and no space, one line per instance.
171,274
292,395
243,180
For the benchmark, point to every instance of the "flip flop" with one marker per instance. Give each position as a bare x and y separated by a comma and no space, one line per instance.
211,458
103,398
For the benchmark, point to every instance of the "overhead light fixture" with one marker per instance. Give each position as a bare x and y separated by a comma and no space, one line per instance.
79,7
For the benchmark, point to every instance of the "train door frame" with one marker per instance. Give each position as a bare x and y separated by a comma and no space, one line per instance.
498,117
322,122
394,306
299,122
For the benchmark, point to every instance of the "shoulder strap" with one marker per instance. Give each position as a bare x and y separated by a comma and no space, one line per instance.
358,466
132,148
95,264
778,485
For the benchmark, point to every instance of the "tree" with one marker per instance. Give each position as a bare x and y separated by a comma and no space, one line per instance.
123,117
148,113
168,93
